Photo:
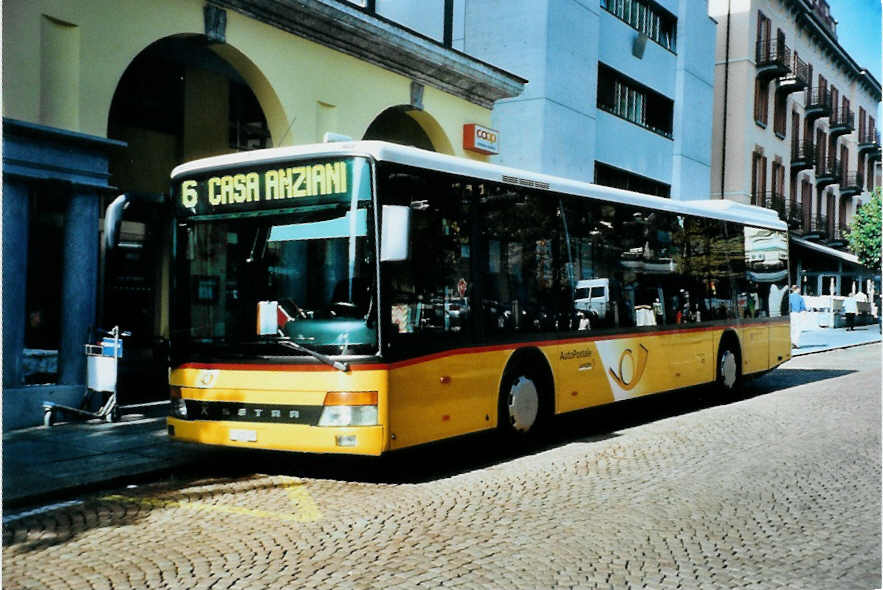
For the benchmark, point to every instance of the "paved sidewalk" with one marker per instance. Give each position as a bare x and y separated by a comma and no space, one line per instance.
43,463
822,339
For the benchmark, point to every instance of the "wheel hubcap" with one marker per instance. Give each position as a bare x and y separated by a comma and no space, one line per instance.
523,403
728,369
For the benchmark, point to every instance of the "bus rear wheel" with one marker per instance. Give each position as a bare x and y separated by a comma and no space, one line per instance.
729,371
521,409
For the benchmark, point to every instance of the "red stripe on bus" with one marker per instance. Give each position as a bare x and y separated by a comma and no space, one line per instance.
457,351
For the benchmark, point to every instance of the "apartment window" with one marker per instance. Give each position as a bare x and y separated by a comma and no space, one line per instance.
778,178
806,202
862,119
623,97
761,102
795,131
860,172
646,17
617,178
808,127
758,178
780,115
763,36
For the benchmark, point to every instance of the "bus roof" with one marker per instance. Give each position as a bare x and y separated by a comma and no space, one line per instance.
383,151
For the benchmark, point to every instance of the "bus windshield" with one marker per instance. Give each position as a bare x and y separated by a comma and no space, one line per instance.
251,282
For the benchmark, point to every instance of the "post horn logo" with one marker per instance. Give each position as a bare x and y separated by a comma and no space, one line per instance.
630,371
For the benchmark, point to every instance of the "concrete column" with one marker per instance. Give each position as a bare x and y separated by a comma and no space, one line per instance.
79,285
16,218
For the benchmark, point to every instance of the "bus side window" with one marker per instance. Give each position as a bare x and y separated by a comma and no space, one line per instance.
429,292
519,281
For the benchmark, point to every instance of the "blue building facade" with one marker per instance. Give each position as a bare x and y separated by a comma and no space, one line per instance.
620,92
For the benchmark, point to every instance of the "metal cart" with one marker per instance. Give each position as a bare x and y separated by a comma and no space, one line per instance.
102,361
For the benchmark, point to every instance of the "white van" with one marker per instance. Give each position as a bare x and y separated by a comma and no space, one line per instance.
592,296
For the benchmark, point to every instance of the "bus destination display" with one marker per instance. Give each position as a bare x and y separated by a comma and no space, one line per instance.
264,188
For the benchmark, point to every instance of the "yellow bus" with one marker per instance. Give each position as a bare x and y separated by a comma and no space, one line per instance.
363,297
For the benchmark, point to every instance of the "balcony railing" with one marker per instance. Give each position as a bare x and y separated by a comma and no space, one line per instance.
803,154
868,140
842,121
823,14
795,217
828,172
817,103
776,202
773,58
820,224
797,77
852,183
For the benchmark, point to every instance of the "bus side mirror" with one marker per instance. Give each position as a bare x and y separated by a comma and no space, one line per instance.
394,233
113,217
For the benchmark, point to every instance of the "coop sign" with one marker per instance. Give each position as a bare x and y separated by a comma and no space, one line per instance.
266,187
481,139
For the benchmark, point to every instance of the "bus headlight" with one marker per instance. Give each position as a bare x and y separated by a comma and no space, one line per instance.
344,408
178,408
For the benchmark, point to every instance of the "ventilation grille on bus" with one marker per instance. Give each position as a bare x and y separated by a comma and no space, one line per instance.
525,182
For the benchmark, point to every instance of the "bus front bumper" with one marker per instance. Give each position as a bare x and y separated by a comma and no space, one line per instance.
354,440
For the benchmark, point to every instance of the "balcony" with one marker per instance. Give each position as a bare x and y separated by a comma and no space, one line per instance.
828,172
777,203
816,103
868,141
803,155
851,184
795,80
823,14
795,218
842,121
819,225
773,59
837,234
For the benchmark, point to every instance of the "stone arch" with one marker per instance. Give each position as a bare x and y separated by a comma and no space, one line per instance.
277,120
177,99
406,125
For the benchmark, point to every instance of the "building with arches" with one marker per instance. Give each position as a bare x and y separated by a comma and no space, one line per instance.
101,98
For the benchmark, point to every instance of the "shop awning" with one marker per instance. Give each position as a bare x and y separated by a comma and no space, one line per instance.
834,253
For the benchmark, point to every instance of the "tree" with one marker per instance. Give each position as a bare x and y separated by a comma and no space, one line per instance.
864,235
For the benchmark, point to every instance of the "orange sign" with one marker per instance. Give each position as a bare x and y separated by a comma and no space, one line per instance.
481,139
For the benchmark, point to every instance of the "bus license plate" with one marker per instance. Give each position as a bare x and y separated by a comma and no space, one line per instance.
241,435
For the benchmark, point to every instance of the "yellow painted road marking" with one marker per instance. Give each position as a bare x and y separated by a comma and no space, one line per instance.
305,508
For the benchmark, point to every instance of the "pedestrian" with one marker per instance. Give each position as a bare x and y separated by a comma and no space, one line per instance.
851,309
798,307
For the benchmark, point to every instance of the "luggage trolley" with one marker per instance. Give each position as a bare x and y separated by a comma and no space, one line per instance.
102,361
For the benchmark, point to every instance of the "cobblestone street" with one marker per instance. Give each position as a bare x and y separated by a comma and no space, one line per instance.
778,490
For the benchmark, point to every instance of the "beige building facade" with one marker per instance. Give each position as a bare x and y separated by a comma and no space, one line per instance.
102,97
796,124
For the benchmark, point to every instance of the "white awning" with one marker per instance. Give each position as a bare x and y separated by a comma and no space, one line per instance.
845,256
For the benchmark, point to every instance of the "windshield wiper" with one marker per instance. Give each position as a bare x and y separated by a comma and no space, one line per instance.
288,342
